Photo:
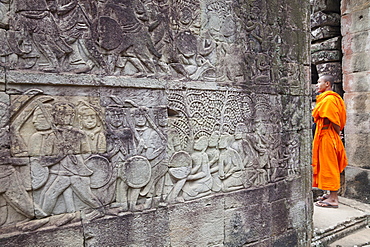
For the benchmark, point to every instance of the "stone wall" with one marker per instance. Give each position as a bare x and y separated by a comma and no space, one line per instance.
155,123
326,54
355,31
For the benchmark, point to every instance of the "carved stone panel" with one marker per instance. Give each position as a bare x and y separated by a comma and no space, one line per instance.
188,40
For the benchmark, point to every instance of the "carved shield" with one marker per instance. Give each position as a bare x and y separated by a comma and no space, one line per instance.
137,171
102,171
110,33
180,165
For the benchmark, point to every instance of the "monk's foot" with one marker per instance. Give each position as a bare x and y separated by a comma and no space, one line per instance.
322,198
326,204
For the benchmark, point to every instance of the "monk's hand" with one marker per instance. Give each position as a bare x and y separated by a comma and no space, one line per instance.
341,135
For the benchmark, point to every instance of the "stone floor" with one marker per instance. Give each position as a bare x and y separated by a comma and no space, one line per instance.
346,226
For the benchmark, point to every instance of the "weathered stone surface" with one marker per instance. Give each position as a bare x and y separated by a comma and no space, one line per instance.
357,82
330,44
198,223
63,236
2,79
279,217
355,31
348,6
334,69
326,56
142,229
358,107
320,19
247,225
357,182
357,148
325,32
356,42
325,5
4,122
356,21
288,239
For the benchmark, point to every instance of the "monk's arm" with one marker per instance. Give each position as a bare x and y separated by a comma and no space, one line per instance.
336,127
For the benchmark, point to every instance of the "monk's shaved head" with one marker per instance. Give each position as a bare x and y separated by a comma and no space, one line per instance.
328,78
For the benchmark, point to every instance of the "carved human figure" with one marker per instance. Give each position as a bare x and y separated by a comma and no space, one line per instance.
119,32
120,146
239,142
74,29
150,143
292,156
161,32
34,19
189,55
43,141
14,192
179,167
213,153
68,172
91,124
199,181
120,137
230,168
261,145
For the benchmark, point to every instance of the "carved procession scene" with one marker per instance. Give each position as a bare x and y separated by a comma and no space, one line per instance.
189,40
136,150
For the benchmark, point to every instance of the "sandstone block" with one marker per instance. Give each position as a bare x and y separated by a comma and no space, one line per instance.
334,69
199,223
350,6
357,148
357,102
137,229
358,183
279,216
330,44
325,5
356,21
358,123
356,82
356,42
326,56
245,225
357,62
325,32
320,19
69,237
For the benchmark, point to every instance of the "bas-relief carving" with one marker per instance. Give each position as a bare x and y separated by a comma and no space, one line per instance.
191,40
63,137
80,155
233,140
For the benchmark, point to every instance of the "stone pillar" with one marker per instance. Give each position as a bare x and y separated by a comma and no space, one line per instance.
356,71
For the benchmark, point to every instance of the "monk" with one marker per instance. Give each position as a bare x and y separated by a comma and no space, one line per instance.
328,155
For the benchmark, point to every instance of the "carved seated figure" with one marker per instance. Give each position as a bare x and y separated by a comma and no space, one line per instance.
213,153
231,171
199,181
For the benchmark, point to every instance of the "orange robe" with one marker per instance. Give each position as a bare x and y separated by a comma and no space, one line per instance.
328,155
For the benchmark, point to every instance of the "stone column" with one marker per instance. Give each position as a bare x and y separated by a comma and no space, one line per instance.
356,80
